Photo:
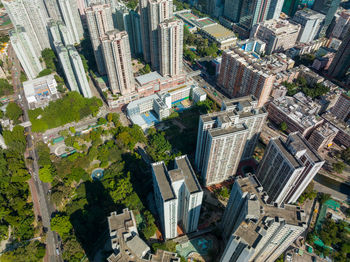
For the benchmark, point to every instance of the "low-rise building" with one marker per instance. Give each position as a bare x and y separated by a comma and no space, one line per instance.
307,48
343,136
323,136
279,35
40,91
299,112
311,77
126,243
217,33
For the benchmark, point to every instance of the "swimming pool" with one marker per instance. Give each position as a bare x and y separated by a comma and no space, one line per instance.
97,174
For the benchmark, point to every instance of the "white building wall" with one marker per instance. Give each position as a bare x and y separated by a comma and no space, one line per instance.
170,218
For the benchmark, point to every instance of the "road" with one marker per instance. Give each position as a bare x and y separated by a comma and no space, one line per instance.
45,207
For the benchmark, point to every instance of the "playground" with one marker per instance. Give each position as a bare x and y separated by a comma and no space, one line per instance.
150,118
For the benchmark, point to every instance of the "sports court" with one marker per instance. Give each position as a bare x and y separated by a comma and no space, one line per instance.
204,22
183,105
150,118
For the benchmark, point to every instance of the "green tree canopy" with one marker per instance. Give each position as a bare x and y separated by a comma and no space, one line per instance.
61,224
45,174
13,111
5,87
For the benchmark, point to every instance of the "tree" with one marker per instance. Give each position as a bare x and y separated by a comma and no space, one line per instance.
101,121
49,58
45,174
32,251
61,224
5,87
23,77
283,126
13,111
338,167
324,197
147,69
15,139
45,72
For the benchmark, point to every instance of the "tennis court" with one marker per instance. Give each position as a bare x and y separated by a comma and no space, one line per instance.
150,118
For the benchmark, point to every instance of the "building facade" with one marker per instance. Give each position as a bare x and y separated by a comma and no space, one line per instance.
71,18
341,109
52,9
328,8
310,22
239,77
158,11
254,230
226,137
170,47
287,168
279,35
25,52
341,62
33,17
178,196
99,20
117,57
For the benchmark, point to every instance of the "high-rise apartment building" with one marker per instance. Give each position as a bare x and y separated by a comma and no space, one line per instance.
257,231
145,33
59,33
25,52
288,167
278,34
341,25
226,137
341,109
129,20
158,11
117,57
99,20
310,22
73,69
170,47
328,8
71,18
241,76
178,196
341,62
52,9
33,17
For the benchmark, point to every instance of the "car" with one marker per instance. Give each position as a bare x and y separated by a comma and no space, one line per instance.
289,257
57,251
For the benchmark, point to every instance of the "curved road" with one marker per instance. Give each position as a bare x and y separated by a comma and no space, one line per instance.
45,207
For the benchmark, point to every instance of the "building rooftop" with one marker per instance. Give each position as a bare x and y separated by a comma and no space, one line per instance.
137,246
163,181
280,26
216,132
309,14
250,229
300,108
165,256
147,78
341,125
218,32
291,158
188,174
183,171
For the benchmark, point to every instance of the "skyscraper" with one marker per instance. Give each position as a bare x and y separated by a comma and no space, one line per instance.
288,167
99,20
170,47
226,137
310,22
257,231
145,33
341,62
117,57
59,33
53,10
159,10
247,13
178,196
291,6
25,52
328,8
33,17
275,9
71,18
73,69
241,76
129,20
